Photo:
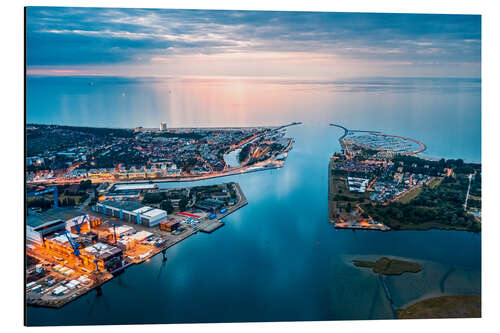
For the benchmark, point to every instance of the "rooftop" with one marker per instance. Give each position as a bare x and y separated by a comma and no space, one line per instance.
121,187
154,212
101,250
53,215
143,209
125,205
63,239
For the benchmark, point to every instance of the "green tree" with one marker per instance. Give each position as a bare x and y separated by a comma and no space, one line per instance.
167,205
183,203
85,185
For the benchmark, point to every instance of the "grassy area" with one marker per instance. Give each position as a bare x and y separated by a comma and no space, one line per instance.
410,195
76,198
388,266
433,225
435,182
443,307
48,200
341,202
437,206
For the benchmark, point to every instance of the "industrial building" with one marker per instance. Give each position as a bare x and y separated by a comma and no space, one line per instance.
169,225
209,205
92,255
37,229
132,211
107,257
41,225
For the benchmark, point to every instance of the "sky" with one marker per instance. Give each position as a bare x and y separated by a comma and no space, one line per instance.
199,43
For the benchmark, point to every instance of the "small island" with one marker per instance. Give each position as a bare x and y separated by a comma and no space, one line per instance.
464,306
388,266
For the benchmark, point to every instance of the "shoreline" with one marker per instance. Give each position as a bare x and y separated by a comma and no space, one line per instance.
441,306
270,164
373,227
205,227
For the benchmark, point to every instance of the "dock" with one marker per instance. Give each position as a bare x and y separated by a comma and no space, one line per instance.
96,280
211,226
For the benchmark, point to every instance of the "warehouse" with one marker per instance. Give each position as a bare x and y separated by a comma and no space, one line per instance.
37,228
132,211
41,225
209,205
152,217
108,257
119,209
120,230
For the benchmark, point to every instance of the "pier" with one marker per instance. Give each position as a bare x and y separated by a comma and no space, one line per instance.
377,141
211,226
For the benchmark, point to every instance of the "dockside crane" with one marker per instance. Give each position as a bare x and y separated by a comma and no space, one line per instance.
114,231
73,244
96,262
78,226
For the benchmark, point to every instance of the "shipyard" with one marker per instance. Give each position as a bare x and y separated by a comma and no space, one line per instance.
71,251
95,205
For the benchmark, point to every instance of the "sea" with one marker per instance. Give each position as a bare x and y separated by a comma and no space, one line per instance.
278,258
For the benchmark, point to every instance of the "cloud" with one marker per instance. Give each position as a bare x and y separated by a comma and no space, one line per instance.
97,36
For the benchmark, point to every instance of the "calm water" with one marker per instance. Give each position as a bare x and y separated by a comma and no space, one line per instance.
443,113
277,258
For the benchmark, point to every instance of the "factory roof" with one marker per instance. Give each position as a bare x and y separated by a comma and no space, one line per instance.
125,205
154,212
141,235
121,229
52,215
101,250
63,239
142,210
121,187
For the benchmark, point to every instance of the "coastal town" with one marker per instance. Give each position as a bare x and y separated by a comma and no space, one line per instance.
68,154
95,207
378,183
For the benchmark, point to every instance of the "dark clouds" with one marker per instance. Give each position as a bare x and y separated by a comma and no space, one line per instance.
83,36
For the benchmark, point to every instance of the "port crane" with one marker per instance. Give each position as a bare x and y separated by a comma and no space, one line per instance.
114,231
52,189
73,244
78,226
96,262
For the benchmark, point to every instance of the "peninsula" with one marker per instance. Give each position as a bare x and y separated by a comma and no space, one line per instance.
377,182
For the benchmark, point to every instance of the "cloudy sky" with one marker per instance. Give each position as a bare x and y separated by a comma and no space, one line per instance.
139,42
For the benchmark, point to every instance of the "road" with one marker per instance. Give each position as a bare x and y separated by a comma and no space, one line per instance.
468,190
267,164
